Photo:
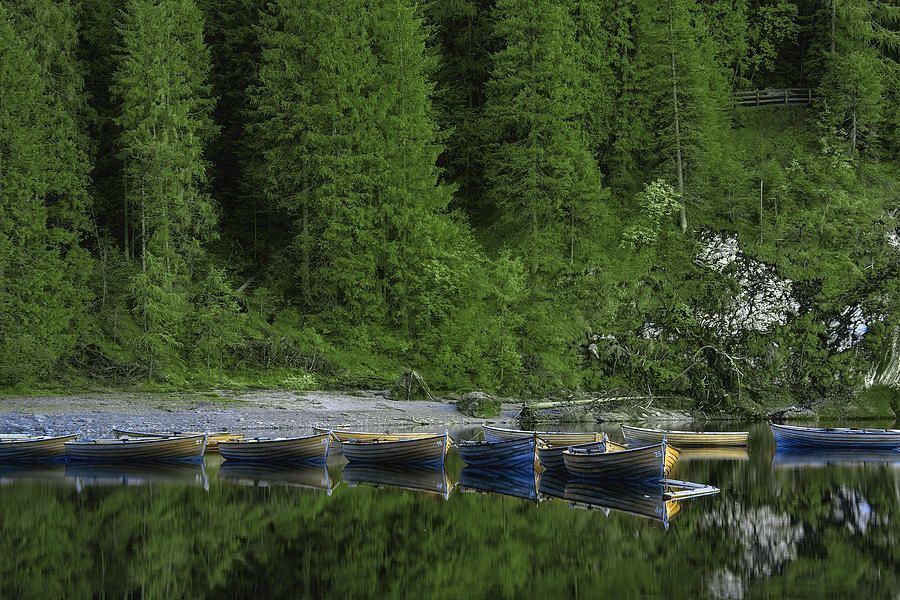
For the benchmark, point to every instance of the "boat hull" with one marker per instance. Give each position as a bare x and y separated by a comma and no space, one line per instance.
647,463
551,457
791,436
430,450
175,449
309,449
643,436
494,455
30,449
551,438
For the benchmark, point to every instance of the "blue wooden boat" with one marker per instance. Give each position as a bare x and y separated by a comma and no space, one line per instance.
551,457
517,483
792,436
509,454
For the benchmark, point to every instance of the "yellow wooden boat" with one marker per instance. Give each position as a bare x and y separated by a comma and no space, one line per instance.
344,435
642,436
27,448
127,450
212,439
432,449
551,438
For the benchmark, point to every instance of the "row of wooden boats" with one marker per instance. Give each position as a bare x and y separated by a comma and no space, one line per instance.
647,454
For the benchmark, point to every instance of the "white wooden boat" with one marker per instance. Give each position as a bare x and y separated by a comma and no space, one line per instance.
643,436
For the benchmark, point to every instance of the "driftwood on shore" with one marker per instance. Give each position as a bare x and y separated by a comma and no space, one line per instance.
583,409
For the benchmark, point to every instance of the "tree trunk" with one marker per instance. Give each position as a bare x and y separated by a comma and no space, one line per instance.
682,216
833,19
853,132
307,297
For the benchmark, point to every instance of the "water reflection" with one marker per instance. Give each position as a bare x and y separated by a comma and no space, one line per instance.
520,483
803,458
431,480
258,475
13,473
640,499
112,474
829,531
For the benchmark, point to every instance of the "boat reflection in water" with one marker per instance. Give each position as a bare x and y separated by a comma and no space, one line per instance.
522,483
809,458
111,474
313,477
417,478
42,472
722,453
651,500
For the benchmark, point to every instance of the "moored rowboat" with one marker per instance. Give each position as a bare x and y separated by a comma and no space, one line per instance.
429,450
643,436
551,438
310,449
26,448
646,463
344,435
492,455
180,448
792,436
551,457
212,438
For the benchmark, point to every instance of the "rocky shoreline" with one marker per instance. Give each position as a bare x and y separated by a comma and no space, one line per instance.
279,412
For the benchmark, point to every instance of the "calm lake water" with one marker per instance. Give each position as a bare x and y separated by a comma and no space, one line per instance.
782,527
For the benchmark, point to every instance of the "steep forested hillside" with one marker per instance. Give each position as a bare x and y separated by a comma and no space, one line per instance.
515,195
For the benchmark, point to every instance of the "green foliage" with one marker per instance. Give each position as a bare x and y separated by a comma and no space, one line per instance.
198,191
658,201
42,191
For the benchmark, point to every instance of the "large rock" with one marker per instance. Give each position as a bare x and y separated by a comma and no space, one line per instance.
479,404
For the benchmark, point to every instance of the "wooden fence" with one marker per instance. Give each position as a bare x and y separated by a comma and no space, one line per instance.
772,97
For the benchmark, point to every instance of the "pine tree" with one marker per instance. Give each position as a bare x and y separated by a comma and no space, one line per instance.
231,33
41,295
161,84
464,36
410,202
863,47
314,131
543,179
686,86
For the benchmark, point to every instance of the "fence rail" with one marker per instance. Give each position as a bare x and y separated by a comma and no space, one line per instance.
771,97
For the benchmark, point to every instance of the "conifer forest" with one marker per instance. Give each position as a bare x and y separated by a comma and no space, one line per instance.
684,197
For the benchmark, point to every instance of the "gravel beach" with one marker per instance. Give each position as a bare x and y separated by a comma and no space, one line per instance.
266,412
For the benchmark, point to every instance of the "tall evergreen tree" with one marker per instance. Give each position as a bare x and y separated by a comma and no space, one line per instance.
863,41
687,88
314,132
542,176
464,35
41,295
161,83
231,33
